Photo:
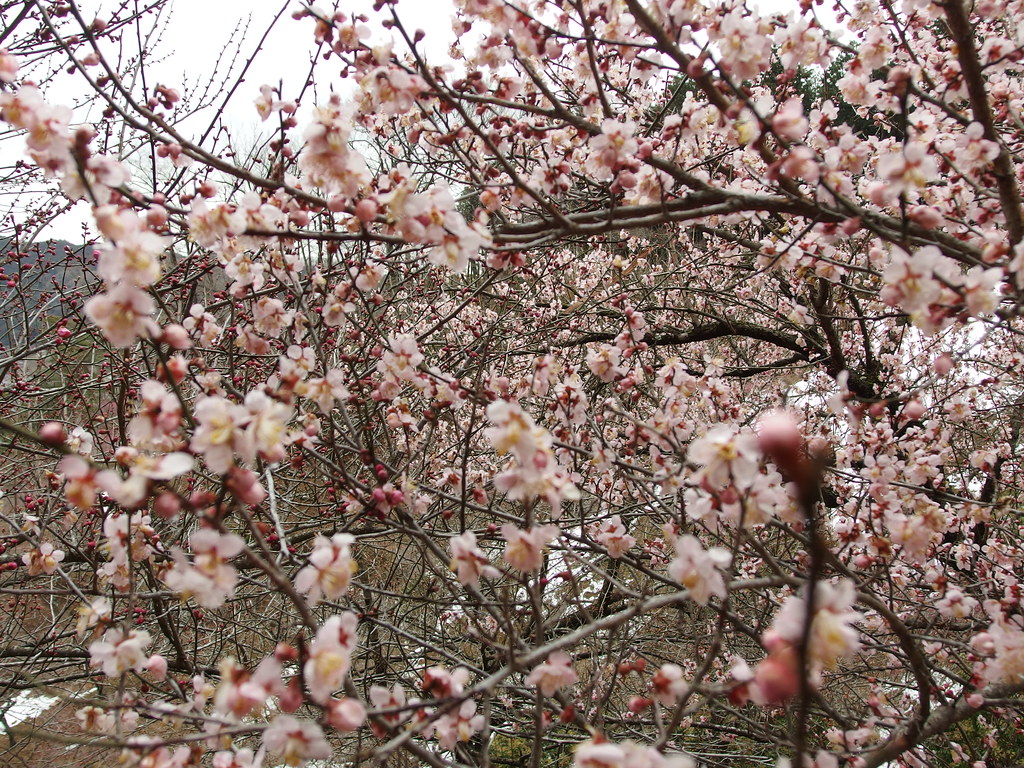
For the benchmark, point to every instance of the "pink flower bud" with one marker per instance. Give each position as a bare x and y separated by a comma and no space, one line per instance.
943,364
245,486
166,505
777,678
291,698
851,226
52,433
925,215
638,704
345,715
156,216
176,337
366,210
913,410
157,667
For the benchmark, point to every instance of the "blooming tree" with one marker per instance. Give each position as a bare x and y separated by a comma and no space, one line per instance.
598,396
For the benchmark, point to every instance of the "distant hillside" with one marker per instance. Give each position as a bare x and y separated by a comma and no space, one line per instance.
33,279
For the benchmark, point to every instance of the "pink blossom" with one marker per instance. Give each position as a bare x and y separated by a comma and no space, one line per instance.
8,67
955,604
907,169
468,560
833,635
697,569
668,685
614,147
603,361
209,578
535,471
390,90
45,559
327,160
124,314
612,535
1006,639
118,652
459,725
330,568
789,122
219,432
296,741
402,358
599,754
134,259
242,758
557,672
726,455
388,698
156,665
345,714
240,693
330,656
525,548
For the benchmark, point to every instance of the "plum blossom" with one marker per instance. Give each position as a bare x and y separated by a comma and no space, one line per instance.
390,90
95,720
1005,641
955,604
907,169
266,429
45,559
123,314
468,561
327,160
95,613
345,714
8,67
554,673
668,684
789,122
266,104
242,758
604,362
402,357
915,282
330,568
241,692
326,391
535,471
119,651
600,753
833,635
726,455
135,258
388,698
330,656
697,569
459,725
612,535
213,227
443,683
208,578
613,148
296,741
525,548
159,417
219,433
